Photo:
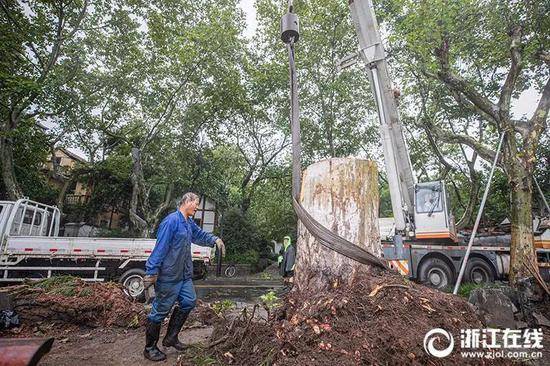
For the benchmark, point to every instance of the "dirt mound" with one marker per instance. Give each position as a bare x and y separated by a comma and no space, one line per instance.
379,319
71,300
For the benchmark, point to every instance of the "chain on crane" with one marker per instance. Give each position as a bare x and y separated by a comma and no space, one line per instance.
290,34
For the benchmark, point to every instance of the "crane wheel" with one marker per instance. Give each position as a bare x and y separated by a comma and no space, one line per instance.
479,271
436,273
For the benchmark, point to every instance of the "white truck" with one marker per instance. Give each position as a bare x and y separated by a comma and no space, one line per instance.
30,248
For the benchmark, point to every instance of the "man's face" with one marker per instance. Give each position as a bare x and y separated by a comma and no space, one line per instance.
189,208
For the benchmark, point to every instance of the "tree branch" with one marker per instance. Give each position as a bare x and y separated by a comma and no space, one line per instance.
537,124
460,85
446,136
513,73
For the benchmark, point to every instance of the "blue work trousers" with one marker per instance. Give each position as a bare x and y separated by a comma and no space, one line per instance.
166,295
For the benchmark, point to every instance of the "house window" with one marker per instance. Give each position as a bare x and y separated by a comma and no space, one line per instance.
58,160
72,188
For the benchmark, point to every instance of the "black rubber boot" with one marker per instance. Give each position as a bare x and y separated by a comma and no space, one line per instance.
174,326
151,351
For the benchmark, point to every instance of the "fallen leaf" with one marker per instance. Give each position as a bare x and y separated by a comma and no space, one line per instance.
326,327
411,356
329,301
427,307
228,355
375,291
316,329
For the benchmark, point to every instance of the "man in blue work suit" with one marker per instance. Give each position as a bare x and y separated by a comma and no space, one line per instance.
170,270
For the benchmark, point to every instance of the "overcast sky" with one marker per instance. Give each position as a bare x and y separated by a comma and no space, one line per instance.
248,7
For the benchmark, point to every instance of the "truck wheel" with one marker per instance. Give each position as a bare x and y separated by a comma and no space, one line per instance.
478,271
132,282
436,273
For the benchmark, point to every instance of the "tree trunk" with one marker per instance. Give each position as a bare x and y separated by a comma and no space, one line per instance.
522,250
468,216
156,216
74,175
13,191
342,194
139,223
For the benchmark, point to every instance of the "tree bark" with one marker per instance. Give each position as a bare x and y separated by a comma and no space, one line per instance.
468,216
137,191
522,250
342,194
73,177
13,191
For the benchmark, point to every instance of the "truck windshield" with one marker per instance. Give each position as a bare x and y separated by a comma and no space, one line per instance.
428,198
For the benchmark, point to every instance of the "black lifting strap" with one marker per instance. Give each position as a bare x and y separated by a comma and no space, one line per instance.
325,236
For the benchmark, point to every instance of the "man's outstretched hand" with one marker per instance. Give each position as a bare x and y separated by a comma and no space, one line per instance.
221,246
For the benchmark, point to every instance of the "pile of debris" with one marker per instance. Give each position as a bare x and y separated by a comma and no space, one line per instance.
382,318
71,300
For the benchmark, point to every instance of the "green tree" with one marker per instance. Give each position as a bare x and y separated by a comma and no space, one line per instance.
163,74
334,105
39,53
30,156
483,55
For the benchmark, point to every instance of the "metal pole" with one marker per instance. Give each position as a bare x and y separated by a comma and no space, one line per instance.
32,221
22,217
478,218
218,254
542,195
295,125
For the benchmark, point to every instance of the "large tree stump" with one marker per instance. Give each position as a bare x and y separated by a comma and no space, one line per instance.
342,194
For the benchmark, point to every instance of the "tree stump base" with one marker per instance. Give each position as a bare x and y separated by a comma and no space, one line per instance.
342,194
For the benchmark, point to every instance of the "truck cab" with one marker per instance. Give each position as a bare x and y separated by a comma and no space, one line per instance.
27,218
432,214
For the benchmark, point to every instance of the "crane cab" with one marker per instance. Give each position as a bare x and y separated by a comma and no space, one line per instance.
432,216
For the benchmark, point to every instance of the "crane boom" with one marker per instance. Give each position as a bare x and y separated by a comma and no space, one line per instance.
396,156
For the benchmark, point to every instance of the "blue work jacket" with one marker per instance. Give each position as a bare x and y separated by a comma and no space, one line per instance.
171,258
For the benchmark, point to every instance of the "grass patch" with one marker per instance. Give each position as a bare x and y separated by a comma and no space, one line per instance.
197,354
58,285
265,276
466,288
86,292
